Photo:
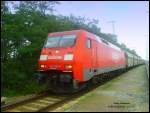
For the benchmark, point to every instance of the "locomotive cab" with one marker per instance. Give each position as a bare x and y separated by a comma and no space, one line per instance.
57,59
57,53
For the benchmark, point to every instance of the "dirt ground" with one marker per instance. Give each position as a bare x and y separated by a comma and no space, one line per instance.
128,92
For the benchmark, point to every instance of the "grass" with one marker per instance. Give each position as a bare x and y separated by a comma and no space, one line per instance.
30,88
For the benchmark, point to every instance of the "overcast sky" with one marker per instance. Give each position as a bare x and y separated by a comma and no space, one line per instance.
131,20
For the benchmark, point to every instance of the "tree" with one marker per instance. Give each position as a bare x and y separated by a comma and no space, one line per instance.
123,46
44,6
134,52
4,8
32,6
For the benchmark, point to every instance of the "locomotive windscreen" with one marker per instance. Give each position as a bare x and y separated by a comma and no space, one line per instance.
60,41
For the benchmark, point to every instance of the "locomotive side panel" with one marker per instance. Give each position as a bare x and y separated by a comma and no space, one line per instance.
85,58
78,57
104,58
89,57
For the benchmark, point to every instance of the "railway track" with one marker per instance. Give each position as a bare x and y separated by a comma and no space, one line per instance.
46,101
43,102
36,103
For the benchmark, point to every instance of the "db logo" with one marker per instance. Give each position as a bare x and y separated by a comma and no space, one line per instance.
56,51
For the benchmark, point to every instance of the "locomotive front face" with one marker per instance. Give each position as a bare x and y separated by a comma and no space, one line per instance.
57,53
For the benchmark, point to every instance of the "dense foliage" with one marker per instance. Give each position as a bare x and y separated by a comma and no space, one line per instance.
22,37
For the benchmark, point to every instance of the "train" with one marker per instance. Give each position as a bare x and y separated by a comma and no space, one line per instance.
70,59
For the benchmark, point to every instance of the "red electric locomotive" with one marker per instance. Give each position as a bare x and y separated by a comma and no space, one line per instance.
71,58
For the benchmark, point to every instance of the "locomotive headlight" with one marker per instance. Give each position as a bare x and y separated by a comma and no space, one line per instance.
68,66
42,66
43,57
68,57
